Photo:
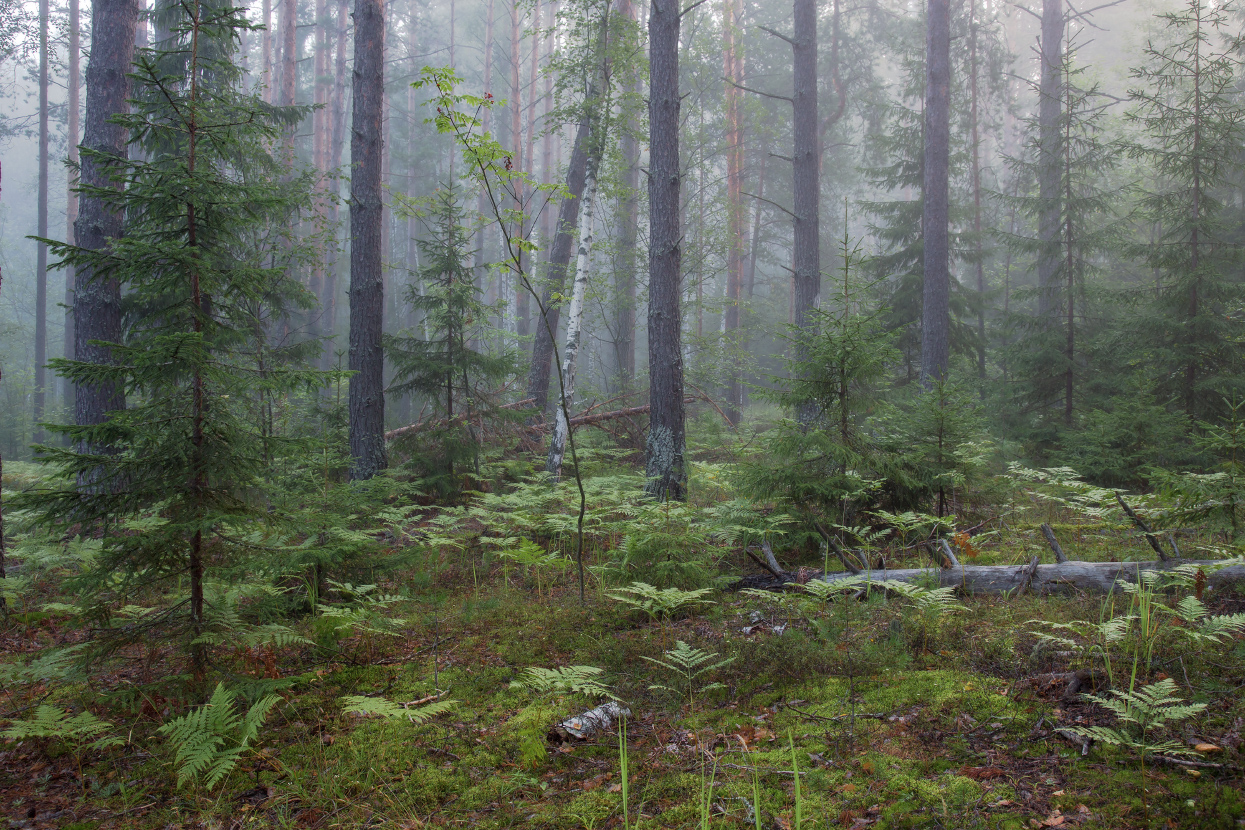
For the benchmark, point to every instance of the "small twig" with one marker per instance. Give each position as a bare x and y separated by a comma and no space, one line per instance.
747,768
811,716
1167,759
423,700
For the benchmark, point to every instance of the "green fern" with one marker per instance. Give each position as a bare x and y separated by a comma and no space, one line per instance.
84,730
210,739
81,732
385,708
582,680
660,603
1200,627
1141,712
826,590
689,664
52,665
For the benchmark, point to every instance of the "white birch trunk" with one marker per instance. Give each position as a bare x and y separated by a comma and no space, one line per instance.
574,321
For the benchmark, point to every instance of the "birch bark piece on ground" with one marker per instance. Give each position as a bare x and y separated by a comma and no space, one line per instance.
582,727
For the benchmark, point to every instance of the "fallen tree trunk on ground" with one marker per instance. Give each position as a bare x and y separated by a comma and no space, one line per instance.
420,426
1062,578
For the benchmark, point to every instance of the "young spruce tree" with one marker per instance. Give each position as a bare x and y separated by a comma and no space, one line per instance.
179,486
440,363
1189,109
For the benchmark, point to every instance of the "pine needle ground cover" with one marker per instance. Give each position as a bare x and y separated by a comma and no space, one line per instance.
407,700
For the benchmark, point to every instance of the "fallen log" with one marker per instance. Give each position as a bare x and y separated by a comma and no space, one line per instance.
1062,578
420,426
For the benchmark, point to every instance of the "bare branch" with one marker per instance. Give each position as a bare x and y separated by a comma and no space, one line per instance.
778,35
768,202
758,92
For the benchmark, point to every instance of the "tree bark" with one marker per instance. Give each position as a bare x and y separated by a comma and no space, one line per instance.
976,151
71,195
521,304
575,318
367,300
320,138
289,68
555,271
806,163
482,203
328,301
265,51
736,214
664,452
3,572
625,257
97,300
41,255
936,311
1050,158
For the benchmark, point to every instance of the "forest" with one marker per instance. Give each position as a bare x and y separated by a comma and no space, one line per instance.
602,414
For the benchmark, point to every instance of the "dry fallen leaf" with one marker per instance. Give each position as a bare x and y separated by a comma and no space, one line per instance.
1208,748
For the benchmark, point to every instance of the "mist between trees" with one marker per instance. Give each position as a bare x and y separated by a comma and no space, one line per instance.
1037,205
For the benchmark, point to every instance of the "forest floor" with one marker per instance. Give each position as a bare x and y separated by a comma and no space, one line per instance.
854,714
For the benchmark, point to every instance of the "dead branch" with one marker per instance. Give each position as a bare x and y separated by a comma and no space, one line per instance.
1049,533
1149,534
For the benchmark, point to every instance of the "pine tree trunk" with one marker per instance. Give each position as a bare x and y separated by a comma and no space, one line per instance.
806,258
574,320
521,305
328,300
386,219
936,311
367,300
1050,158
413,121
755,237
97,300
71,195
482,202
547,172
41,261
1069,262
625,258
3,572
320,138
529,159
266,51
664,464
555,273
976,151
736,214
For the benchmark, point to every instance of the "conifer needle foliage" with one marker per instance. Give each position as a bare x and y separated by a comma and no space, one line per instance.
205,268
440,359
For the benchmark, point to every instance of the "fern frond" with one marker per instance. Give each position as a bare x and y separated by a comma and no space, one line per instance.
584,680
385,708
83,729
211,738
